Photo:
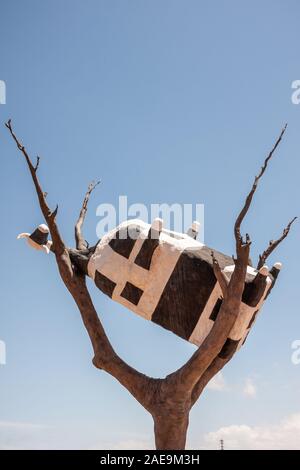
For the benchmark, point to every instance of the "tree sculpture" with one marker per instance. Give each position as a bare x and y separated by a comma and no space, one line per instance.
170,399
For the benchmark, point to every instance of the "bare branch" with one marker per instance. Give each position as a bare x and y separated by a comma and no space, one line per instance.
58,244
81,243
273,244
219,275
242,214
37,163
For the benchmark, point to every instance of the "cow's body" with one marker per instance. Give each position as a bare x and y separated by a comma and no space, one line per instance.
169,280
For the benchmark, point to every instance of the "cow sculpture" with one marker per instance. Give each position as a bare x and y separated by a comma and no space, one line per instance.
168,278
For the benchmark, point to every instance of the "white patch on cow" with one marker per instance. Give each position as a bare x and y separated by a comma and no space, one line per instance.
204,324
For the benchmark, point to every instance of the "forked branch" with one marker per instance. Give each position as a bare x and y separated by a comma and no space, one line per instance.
245,208
273,244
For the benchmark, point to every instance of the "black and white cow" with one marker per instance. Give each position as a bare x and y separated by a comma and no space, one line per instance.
168,278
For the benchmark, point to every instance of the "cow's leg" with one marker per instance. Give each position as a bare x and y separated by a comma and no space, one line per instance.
255,290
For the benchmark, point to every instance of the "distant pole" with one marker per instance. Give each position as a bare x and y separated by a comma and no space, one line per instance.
221,444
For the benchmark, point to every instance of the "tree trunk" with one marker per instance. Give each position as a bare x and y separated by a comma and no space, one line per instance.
170,430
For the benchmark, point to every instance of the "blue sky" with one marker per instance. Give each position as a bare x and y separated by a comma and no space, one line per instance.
174,101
